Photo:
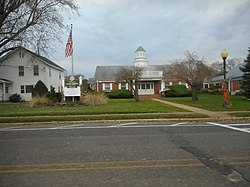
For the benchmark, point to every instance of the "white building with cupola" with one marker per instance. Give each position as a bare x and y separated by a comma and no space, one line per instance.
150,85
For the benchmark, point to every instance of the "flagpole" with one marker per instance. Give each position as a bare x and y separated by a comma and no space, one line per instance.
72,64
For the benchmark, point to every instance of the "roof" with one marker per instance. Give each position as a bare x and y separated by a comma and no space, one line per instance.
2,80
234,73
107,73
44,59
140,48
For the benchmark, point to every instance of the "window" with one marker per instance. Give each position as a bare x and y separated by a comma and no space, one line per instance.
26,89
60,76
21,70
29,88
123,86
6,89
21,55
240,83
22,89
148,86
36,70
107,86
49,71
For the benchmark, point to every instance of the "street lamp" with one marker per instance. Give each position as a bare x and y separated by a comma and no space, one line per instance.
227,100
224,55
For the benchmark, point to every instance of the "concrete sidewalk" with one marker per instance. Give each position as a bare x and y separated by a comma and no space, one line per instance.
211,114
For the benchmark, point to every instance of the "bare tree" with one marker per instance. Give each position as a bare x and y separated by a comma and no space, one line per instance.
217,66
34,24
191,70
230,64
131,75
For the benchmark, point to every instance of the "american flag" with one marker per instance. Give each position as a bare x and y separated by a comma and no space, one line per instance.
69,45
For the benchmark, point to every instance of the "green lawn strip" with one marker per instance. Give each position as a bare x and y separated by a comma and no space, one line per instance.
99,117
240,114
213,102
114,106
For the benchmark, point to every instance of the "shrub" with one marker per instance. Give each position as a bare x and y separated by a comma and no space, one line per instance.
95,98
15,98
120,94
40,101
59,96
170,93
240,93
215,92
205,90
180,90
177,91
52,95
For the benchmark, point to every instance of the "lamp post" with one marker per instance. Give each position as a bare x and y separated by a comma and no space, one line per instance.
227,100
224,55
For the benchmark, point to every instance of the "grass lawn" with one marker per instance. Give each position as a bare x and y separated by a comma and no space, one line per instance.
214,102
241,114
115,109
114,106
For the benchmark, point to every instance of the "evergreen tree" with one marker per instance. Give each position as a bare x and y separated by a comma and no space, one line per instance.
246,76
40,89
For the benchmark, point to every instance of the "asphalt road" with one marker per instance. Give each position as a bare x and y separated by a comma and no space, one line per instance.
128,154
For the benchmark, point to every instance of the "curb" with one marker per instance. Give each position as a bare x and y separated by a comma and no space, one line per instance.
194,120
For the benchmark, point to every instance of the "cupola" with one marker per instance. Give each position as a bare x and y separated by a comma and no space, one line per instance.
140,57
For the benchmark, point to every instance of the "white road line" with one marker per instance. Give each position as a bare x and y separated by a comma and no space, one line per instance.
102,127
68,126
241,124
124,124
229,127
177,124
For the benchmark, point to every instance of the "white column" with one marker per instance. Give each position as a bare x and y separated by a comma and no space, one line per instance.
3,93
162,85
63,87
80,80
229,85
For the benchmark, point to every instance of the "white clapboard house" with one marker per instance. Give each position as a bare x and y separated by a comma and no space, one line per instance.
21,69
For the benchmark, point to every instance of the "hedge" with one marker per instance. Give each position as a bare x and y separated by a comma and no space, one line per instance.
118,94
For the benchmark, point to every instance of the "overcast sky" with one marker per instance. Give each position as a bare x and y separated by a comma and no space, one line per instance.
109,31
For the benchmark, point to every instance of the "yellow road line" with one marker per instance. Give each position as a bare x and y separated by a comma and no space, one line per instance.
117,162
133,164
239,163
98,163
103,168
234,158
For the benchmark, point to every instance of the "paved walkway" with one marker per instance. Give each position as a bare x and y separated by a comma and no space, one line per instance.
211,114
